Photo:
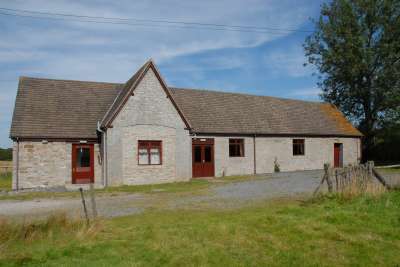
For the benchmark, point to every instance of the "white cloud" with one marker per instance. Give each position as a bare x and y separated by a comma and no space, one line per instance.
288,62
140,43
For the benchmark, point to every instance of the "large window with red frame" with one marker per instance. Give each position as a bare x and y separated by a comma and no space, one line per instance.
149,152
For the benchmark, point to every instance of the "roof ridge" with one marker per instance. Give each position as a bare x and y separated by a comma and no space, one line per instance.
65,80
247,94
180,88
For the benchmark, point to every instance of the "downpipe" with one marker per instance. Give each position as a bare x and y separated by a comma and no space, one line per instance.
105,165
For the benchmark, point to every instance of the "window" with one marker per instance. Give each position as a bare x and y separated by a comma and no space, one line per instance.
236,147
197,154
149,153
83,157
298,147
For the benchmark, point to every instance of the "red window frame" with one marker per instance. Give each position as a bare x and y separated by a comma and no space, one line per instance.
237,144
299,147
148,145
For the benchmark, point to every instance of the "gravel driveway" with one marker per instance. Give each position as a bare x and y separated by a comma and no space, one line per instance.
218,195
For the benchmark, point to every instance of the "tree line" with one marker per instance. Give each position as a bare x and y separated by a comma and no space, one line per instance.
5,153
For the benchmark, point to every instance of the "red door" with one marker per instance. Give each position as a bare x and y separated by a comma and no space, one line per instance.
203,157
337,155
82,163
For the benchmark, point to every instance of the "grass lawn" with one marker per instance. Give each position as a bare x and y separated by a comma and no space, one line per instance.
324,232
5,181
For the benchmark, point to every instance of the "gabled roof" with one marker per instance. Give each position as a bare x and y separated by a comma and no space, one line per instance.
47,108
127,91
223,113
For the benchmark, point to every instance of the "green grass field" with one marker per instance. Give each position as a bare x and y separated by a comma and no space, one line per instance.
5,181
322,232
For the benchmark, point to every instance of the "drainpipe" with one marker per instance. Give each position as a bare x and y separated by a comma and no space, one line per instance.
104,141
254,154
17,167
105,160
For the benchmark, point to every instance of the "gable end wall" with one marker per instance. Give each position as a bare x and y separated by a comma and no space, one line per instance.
148,115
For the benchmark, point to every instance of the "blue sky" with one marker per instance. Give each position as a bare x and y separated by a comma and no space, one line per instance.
256,63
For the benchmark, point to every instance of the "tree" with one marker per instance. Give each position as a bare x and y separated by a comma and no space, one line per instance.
356,49
5,153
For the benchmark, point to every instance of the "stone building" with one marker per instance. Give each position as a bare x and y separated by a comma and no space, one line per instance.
68,133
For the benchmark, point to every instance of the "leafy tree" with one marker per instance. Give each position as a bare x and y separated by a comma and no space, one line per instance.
356,49
5,153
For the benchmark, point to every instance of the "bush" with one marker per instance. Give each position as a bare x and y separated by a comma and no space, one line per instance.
6,154
276,165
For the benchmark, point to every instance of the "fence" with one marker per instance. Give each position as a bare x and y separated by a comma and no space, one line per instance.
5,166
353,179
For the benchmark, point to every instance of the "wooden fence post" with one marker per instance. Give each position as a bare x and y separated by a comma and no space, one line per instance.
370,166
337,180
321,183
381,179
327,170
93,200
84,206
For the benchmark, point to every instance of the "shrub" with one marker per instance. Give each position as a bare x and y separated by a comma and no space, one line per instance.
276,165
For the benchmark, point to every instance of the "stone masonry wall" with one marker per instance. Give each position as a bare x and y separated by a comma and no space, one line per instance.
47,164
148,115
317,152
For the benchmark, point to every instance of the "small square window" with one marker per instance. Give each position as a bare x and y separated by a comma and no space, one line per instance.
298,147
236,147
149,153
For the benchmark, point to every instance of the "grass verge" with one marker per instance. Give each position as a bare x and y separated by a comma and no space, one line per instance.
395,170
5,181
191,186
328,231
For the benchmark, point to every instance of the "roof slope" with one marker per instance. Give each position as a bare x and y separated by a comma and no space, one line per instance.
46,108
125,89
59,108
219,112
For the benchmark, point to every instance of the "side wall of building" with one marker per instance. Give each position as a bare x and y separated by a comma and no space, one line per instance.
317,152
148,115
46,165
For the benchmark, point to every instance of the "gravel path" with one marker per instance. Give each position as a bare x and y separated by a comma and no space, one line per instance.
391,177
219,195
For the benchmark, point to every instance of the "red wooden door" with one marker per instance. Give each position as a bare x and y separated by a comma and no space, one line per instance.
82,163
337,153
203,157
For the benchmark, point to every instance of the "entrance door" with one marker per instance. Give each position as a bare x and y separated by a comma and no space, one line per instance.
338,155
203,157
82,163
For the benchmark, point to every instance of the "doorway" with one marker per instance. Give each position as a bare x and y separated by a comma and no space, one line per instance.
202,157
82,163
338,155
